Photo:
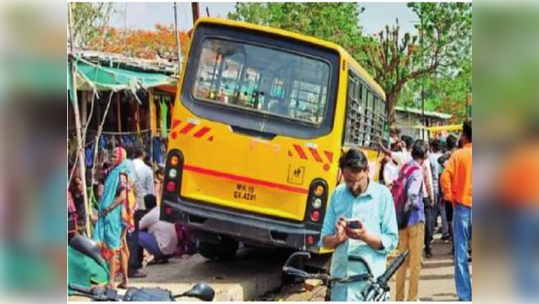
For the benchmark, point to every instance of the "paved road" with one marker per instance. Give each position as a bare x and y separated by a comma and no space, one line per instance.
256,275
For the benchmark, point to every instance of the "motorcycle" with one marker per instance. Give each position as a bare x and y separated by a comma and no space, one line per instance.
91,249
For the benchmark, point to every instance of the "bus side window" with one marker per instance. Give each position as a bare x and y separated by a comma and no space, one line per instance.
351,101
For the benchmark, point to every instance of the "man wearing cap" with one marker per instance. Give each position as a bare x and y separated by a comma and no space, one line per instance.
371,204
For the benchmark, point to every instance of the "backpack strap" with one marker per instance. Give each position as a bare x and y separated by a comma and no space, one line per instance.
408,170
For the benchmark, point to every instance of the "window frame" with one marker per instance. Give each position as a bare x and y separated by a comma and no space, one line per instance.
255,120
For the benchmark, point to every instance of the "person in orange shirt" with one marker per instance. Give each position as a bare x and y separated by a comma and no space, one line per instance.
519,189
456,181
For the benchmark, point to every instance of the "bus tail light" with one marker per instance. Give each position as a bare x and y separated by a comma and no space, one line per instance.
173,175
318,196
319,190
317,203
315,216
171,186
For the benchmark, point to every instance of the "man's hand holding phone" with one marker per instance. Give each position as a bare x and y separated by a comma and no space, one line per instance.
354,229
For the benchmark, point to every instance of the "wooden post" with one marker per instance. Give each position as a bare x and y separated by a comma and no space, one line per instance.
151,104
194,7
81,157
84,112
177,34
118,113
137,117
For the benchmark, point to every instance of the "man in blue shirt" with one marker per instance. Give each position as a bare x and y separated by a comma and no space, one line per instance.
372,204
412,237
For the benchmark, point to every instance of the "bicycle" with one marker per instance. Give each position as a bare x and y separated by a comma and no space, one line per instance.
376,290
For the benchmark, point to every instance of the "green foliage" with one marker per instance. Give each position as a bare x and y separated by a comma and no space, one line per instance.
443,44
335,22
89,21
439,57
443,93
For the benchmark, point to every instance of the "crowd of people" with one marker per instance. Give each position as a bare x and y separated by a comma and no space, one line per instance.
431,180
126,221
423,182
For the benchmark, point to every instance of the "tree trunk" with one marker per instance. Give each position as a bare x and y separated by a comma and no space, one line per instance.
391,113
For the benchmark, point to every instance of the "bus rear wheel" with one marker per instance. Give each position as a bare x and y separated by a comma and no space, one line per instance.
225,249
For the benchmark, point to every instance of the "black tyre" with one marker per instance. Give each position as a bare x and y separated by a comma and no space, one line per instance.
225,249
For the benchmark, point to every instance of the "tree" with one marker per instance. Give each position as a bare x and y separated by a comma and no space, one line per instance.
90,20
148,44
445,36
335,22
444,92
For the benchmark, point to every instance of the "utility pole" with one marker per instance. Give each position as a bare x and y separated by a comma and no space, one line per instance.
196,14
81,157
424,123
469,105
177,34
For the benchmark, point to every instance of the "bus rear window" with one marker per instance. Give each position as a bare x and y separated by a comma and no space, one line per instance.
265,80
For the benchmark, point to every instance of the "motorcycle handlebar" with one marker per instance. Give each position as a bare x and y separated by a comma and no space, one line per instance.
81,289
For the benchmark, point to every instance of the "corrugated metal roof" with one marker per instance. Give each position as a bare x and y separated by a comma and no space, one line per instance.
427,113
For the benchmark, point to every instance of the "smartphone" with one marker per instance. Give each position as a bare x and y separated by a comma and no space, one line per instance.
354,224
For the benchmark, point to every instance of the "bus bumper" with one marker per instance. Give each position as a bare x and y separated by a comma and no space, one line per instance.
248,228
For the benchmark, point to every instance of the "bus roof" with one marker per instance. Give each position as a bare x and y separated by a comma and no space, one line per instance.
312,40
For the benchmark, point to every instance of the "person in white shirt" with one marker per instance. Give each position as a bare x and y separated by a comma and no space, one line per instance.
428,201
144,179
160,239
436,169
143,184
402,155
391,167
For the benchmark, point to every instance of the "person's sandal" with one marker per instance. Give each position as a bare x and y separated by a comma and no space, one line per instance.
157,262
122,286
138,275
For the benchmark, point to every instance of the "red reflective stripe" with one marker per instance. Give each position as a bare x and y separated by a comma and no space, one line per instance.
329,155
300,152
201,132
187,128
245,179
175,123
315,154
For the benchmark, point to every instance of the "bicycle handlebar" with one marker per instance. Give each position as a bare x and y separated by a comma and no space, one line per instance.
384,278
374,290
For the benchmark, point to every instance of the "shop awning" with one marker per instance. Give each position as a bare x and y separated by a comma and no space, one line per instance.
93,77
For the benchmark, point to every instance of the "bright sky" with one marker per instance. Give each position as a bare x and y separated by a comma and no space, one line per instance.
143,15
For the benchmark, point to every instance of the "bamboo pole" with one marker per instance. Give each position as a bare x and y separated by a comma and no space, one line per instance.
84,110
177,34
81,158
118,113
98,137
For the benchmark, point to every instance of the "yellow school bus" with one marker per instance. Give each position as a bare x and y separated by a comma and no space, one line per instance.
260,120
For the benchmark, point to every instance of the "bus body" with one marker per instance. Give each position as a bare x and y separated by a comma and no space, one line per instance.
260,120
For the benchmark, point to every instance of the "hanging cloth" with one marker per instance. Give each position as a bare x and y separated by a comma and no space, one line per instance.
164,119
153,115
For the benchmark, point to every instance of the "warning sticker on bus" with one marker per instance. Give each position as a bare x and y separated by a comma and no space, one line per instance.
245,192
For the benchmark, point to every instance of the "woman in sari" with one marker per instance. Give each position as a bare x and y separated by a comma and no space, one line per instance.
116,209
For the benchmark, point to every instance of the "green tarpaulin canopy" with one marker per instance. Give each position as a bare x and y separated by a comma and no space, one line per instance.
99,78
